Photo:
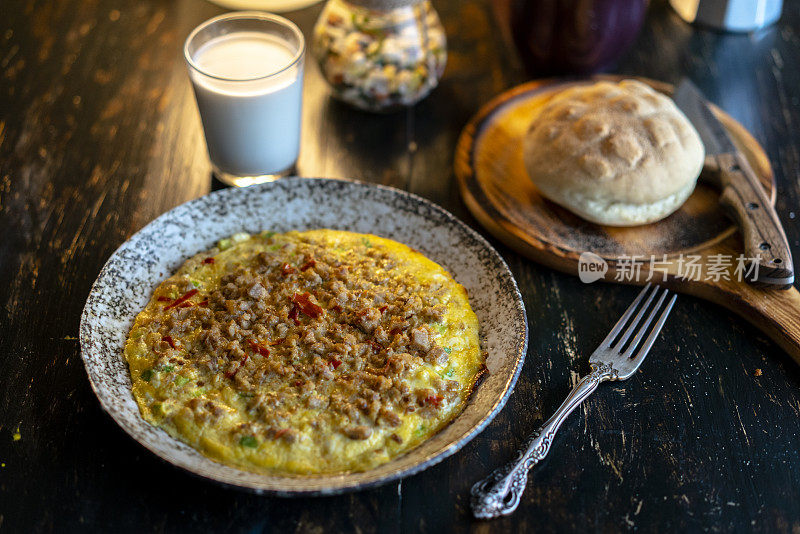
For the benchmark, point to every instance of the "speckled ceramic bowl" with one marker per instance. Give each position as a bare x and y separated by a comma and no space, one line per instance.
135,269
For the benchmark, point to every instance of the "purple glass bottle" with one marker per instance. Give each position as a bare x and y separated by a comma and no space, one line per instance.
571,36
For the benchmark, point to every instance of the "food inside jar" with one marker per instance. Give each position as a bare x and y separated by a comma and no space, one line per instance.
379,60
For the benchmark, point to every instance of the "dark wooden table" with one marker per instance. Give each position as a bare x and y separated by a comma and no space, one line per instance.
99,134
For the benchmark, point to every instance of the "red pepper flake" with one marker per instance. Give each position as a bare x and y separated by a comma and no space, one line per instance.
395,331
385,368
306,306
309,264
281,432
164,299
231,374
376,347
436,400
209,260
286,269
336,308
260,349
170,341
335,363
186,305
383,308
293,315
279,341
298,383
186,296
203,303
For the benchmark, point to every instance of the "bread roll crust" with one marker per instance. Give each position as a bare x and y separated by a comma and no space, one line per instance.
614,153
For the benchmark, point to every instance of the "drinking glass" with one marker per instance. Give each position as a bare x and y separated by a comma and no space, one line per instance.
247,72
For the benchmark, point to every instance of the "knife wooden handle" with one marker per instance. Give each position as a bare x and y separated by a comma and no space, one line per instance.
763,234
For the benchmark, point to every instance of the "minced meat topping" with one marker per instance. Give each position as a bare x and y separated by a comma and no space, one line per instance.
280,342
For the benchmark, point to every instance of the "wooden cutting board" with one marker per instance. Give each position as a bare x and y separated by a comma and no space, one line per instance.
495,187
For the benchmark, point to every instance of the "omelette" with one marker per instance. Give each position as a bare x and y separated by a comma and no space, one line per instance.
304,353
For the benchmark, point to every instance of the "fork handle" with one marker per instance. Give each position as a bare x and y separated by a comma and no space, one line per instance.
499,493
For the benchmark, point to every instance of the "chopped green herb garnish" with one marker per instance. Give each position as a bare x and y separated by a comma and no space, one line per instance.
274,247
420,430
167,369
248,441
181,381
158,409
448,350
440,327
199,392
246,395
146,375
195,283
446,372
366,242
267,235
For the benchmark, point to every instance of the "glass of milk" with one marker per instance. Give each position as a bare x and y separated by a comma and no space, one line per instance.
247,72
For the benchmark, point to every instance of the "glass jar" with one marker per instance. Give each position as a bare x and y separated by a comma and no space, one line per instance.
380,55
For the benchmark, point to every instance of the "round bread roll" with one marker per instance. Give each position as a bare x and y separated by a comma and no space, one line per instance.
619,154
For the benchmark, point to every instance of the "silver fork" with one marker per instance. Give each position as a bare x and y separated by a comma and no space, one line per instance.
615,359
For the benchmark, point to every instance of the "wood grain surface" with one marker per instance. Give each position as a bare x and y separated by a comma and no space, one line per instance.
99,134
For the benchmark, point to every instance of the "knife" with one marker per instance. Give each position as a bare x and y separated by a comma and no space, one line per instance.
742,195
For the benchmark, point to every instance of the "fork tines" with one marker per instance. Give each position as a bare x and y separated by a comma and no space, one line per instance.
652,303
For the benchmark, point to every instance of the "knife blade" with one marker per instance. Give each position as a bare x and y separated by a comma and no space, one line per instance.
742,195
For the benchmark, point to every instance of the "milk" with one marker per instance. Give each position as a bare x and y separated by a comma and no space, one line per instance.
249,106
